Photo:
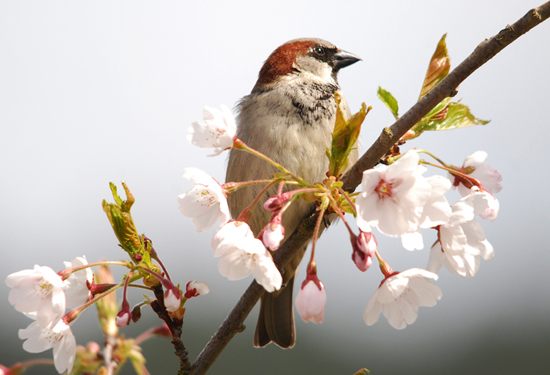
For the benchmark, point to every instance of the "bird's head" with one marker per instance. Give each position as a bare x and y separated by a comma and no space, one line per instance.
308,57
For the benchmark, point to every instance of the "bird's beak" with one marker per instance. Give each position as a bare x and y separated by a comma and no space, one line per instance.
343,59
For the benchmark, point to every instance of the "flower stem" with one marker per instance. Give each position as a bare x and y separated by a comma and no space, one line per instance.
243,146
352,205
64,274
456,173
316,232
247,212
433,156
339,212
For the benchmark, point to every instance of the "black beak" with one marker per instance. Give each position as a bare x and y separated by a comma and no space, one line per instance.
342,59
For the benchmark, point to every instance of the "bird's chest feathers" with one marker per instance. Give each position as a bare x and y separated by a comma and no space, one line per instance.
293,126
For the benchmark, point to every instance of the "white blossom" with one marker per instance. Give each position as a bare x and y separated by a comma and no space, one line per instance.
38,293
59,337
393,197
216,131
461,241
241,254
205,202
76,290
400,295
474,165
436,212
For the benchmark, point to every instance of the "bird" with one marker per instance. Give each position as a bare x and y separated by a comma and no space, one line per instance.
289,116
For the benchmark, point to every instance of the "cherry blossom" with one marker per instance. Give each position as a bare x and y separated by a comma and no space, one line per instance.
241,254
493,206
436,212
393,197
311,300
38,293
364,247
400,295
461,241
59,337
195,289
76,290
474,166
216,131
205,202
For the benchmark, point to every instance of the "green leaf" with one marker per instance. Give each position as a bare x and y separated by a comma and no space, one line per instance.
457,116
387,98
344,136
439,67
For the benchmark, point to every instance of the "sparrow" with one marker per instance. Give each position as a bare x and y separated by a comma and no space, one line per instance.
289,116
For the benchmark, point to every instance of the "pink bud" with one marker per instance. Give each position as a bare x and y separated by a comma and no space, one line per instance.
276,202
172,299
123,317
364,247
311,300
194,289
274,233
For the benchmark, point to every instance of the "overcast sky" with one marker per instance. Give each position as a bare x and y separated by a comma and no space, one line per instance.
105,91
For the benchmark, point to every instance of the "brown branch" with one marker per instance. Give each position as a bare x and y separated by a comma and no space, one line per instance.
446,88
175,327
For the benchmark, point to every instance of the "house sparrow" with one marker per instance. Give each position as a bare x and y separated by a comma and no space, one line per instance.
289,116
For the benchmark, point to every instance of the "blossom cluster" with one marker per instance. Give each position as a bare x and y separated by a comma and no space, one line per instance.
44,296
240,252
396,199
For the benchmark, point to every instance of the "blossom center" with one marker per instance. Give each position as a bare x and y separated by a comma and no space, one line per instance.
207,198
43,289
384,189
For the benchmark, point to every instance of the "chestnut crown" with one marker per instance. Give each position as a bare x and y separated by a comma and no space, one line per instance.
310,55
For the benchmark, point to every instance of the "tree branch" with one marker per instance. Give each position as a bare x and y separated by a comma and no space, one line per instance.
446,88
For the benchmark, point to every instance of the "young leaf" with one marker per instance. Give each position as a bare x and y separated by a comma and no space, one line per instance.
457,116
344,136
388,99
439,67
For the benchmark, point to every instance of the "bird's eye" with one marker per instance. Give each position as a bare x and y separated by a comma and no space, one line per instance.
319,50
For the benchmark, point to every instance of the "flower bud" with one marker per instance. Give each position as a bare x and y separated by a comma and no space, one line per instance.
194,289
364,247
274,233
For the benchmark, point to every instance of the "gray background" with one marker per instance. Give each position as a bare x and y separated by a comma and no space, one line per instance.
103,91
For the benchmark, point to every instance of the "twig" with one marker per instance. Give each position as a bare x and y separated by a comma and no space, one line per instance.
175,326
446,88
